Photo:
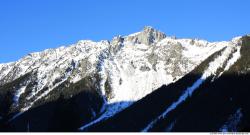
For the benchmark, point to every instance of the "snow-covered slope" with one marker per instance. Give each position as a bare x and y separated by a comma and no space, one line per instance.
129,67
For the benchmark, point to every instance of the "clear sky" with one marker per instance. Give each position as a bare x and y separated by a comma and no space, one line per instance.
34,25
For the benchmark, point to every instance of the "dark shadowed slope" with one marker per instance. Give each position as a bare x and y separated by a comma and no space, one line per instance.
67,107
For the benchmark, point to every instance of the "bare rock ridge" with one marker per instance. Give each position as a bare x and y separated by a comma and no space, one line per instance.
148,36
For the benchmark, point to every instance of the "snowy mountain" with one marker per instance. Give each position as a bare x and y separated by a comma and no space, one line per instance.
137,82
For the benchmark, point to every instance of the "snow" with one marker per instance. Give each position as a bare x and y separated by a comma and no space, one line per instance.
110,111
15,116
237,40
235,57
201,52
19,92
93,112
5,69
76,79
46,92
232,122
135,83
170,127
28,127
181,99
211,70
134,34
55,66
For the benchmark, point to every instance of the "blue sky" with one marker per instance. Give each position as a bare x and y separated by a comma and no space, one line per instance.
34,25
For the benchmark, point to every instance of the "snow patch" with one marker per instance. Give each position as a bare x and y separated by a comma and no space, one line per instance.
111,110
18,93
235,57
15,116
170,127
93,112
232,122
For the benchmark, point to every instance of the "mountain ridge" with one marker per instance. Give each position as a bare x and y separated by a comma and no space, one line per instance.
117,73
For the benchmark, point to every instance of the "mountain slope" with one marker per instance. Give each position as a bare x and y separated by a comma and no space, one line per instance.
217,102
99,82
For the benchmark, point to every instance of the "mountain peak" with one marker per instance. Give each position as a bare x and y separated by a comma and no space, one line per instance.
147,36
148,29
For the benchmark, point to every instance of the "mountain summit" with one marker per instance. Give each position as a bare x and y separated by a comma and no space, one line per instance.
145,81
147,36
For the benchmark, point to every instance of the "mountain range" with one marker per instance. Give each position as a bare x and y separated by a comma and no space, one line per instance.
143,82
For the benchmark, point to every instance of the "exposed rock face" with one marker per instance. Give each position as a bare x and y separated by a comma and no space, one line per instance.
148,36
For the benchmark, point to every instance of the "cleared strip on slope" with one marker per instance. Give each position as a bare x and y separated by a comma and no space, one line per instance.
232,123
